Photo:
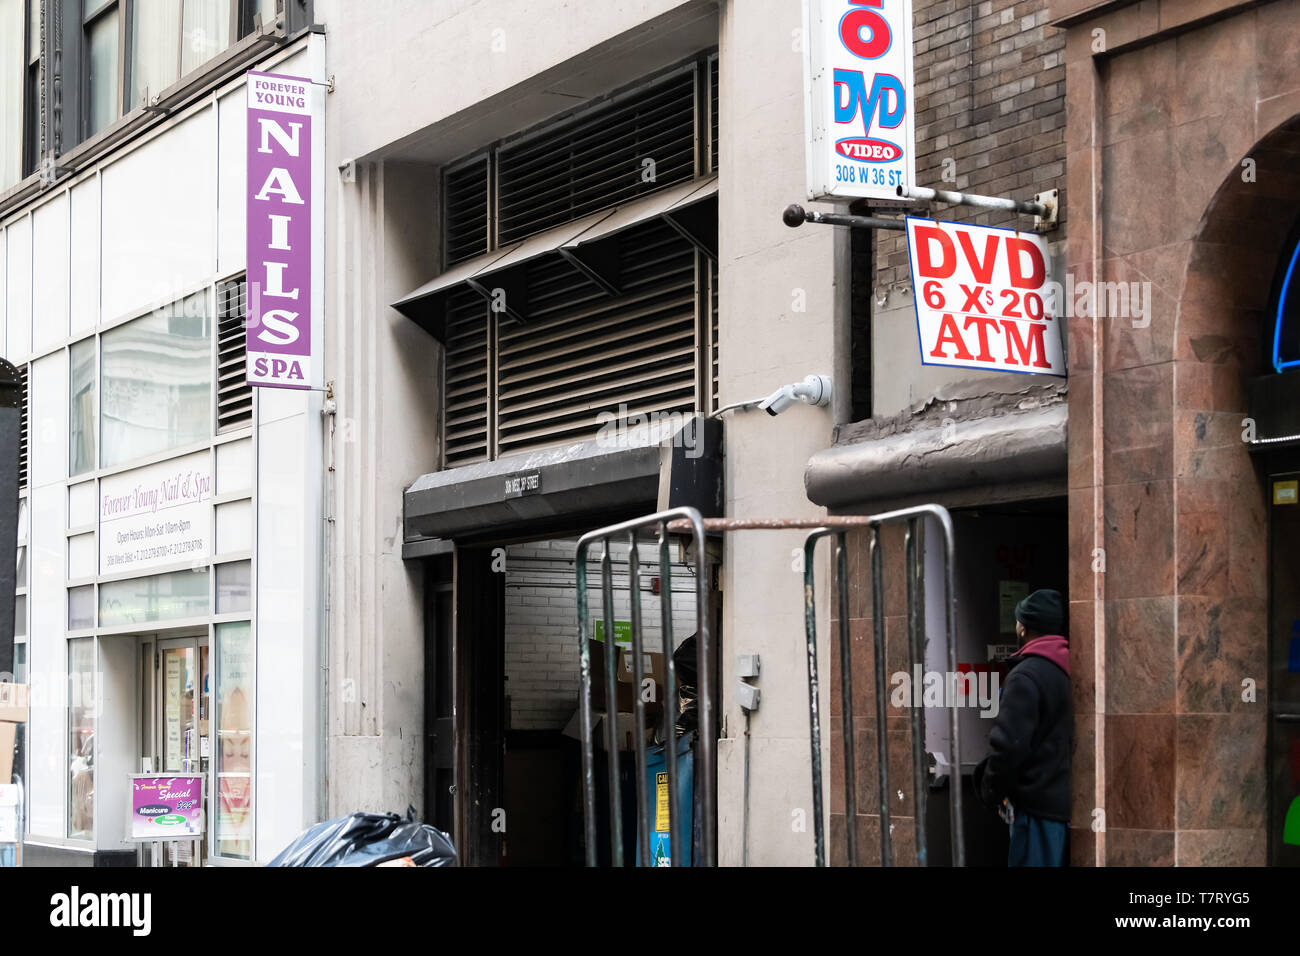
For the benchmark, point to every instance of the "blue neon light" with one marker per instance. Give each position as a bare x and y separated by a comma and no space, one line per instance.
1278,364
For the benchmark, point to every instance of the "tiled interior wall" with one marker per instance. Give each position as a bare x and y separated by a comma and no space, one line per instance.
541,653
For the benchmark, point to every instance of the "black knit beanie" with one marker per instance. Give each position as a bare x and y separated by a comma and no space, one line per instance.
1043,611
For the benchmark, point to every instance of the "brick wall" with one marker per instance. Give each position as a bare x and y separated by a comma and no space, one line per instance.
990,97
541,655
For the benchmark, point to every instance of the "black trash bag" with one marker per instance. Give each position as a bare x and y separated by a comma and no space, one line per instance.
368,839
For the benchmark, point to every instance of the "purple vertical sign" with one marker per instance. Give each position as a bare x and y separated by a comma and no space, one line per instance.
279,349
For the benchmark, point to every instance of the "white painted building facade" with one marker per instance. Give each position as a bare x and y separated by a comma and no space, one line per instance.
171,518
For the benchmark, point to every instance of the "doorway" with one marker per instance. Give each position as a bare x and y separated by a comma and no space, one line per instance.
1284,658
503,691
1005,551
175,705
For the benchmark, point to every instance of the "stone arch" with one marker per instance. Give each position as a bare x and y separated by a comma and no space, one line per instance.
1220,508
1232,264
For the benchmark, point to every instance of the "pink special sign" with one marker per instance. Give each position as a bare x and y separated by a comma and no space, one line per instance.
166,807
279,349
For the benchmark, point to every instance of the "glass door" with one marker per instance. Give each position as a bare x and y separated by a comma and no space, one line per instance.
1284,689
178,691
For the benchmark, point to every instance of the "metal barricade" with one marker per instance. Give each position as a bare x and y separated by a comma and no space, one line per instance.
688,520
915,577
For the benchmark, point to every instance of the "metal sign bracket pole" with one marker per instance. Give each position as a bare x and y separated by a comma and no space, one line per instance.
1044,207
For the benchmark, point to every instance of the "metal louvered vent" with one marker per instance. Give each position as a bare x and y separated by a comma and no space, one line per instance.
643,343
608,155
234,394
713,113
465,217
583,352
713,334
22,430
466,379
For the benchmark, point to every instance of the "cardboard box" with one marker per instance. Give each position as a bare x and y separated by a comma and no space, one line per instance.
626,731
624,688
652,665
622,692
626,728
13,702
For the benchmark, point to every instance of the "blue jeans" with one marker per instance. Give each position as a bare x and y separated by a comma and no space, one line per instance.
1037,842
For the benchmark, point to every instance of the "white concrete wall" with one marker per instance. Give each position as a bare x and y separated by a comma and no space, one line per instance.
385,375
403,105
405,66
766,269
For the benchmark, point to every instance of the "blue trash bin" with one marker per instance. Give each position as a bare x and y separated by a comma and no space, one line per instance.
657,794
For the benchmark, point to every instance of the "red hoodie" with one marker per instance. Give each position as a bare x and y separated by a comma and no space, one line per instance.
1053,647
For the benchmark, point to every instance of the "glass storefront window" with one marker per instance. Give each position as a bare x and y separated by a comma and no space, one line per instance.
81,607
81,409
155,32
81,738
11,90
160,29
206,32
102,44
234,700
157,382
180,751
233,591
159,597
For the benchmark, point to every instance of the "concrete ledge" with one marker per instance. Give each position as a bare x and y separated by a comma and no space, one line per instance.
670,463
49,854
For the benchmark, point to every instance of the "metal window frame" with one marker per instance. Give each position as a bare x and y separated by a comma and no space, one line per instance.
32,56
81,61
245,27
30,147
60,147
243,15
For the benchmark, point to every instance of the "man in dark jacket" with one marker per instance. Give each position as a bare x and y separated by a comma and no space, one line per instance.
1027,772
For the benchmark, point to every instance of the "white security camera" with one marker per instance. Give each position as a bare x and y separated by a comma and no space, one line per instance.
813,390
